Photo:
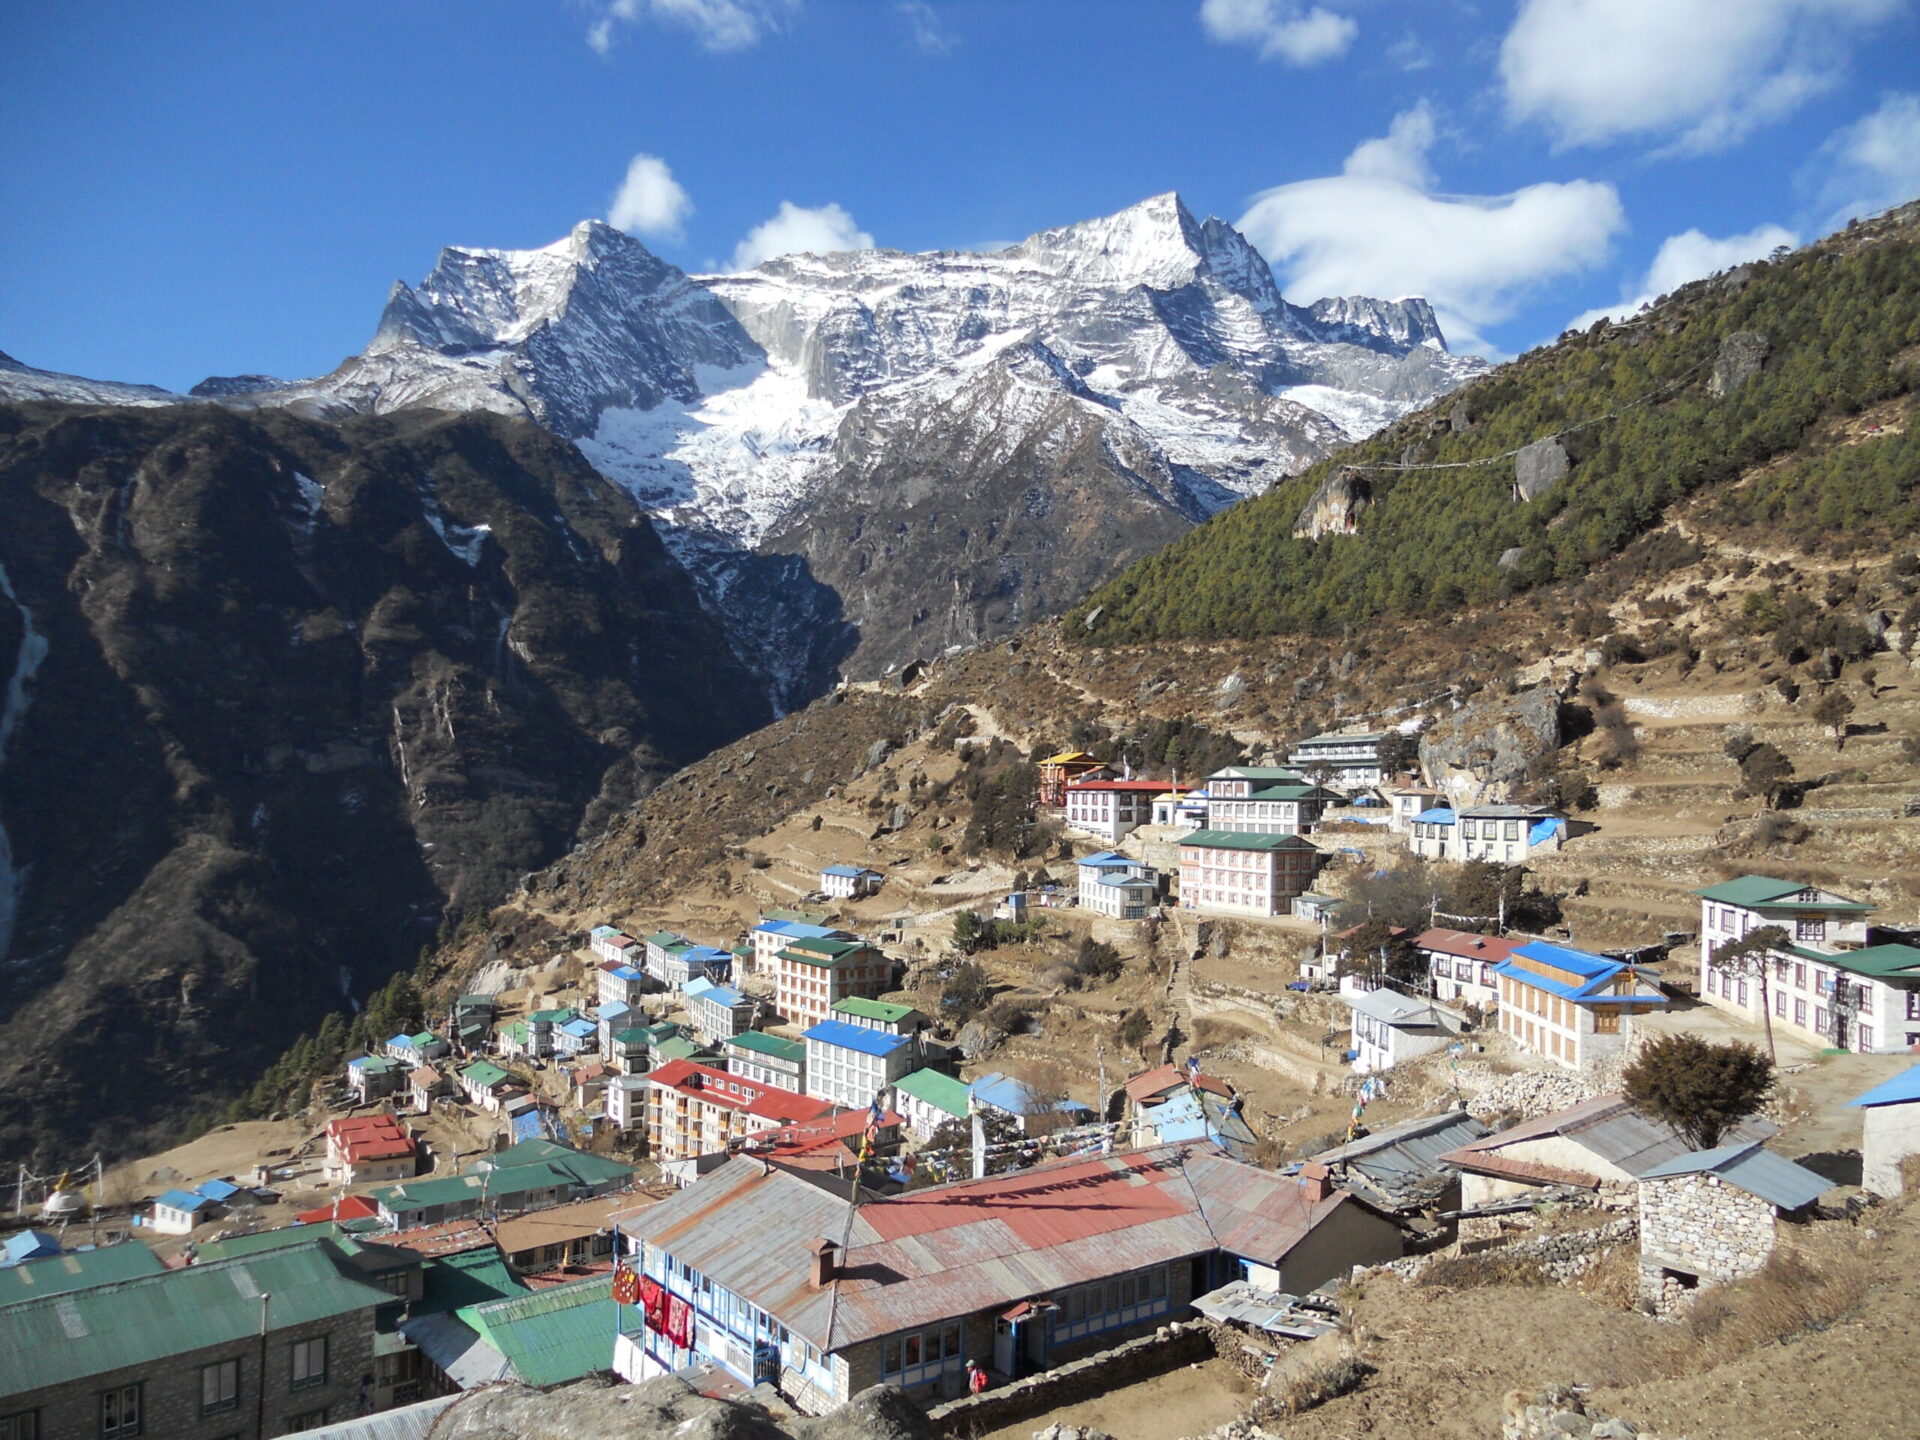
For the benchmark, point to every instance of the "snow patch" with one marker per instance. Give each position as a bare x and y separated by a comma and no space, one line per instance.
464,542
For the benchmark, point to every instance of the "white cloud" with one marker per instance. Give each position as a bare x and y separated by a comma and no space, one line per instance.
929,34
1706,72
1279,29
719,24
795,229
1380,228
650,201
1872,163
1691,255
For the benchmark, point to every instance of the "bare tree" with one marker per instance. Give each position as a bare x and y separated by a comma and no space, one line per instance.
1751,957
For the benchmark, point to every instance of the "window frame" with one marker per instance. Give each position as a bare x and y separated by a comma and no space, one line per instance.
301,1351
20,1425
228,1401
120,1426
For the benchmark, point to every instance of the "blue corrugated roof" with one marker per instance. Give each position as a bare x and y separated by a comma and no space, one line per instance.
1898,1091
724,995
795,929
857,1037
1441,816
614,1009
218,1190
627,972
1565,957
182,1200
1127,880
1757,1170
579,1029
853,870
1106,859
707,955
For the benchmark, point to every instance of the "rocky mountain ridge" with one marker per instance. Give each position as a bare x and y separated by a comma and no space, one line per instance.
734,406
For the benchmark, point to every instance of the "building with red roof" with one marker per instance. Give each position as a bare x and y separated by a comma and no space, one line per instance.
361,1148
1463,963
1026,1270
1111,808
696,1110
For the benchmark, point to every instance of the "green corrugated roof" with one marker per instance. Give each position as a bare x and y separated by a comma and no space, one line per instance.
797,917
943,1092
821,952
762,1043
1234,840
472,1277
884,1010
1876,961
425,1194
588,1168
678,1047
667,940
484,1072
474,1002
263,1241
56,1274
1751,891
1256,772
554,1017
139,1321
560,1333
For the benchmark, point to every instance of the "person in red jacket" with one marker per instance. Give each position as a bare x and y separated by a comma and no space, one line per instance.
976,1378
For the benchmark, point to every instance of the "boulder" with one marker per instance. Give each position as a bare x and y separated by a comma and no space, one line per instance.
1480,751
1539,467
1335,506
1742,354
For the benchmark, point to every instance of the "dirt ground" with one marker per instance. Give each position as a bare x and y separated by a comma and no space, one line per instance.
1189,1401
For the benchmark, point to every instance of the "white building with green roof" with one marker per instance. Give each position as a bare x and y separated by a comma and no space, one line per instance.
768,1060
1838,982
927,1099
1231,873
1349,761
895,1019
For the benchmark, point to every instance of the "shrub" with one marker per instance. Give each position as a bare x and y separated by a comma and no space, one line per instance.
1698,1087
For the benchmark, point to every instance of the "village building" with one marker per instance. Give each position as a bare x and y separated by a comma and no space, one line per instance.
718,1012
1116,886
621,982
884,1015
697,1110
769,1060
587,1084
616,947
374,1077
1400,1169
1111,809
1031,1112
1057,772
180,1353
626,1101
1177,809
415,1050
530,1175
1246,807
1406,801
1234,874
1714,1215
775,932
1389,1027
853,1066
1837,982
1350,762
928,1099
811,976
576,1036
486,1085
177,1212
673,960
470,1022
1462,963
1174,1103
363,1148
849,882
1503,834
425,1084
1599,1144
574,1236
836,1142
1889,1131
610,1018
790,1284
1571,1006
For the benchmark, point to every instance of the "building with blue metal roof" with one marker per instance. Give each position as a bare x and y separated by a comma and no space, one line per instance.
852,1064
1570,1005
1890,1131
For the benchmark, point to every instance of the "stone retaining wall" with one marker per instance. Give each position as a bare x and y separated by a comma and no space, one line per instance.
1562,1256
1168,1348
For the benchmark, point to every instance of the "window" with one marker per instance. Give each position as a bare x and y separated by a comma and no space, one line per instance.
219,1386
1810,929
1913,1004
309,1363
120,1411
310,1420
1799,1012
1799,975
24,1426
1780,1003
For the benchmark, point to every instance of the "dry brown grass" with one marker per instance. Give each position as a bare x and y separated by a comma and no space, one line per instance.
1614,1279
1312,1387
1210,1033
1482,1271
1802,1289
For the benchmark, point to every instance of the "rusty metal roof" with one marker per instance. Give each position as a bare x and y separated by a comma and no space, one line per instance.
929,1255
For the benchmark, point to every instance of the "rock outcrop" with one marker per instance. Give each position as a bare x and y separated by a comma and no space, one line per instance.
668,1407
1480,751
1335,507
1539,467
1742,356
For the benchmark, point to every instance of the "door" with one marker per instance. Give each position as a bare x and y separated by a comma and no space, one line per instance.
1036,1347
1005,1332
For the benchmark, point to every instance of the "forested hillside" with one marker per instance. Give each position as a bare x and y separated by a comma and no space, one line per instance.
1640,414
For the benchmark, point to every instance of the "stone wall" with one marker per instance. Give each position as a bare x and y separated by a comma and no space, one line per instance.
1168,1348
1700,1226
1560,1414
1562,1255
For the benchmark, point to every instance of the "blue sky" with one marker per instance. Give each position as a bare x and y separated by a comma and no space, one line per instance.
197,189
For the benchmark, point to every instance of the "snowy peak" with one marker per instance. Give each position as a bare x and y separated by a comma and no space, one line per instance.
1156,243
1377,324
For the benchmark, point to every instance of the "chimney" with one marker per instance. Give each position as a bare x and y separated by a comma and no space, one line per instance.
823,1265
1316,1180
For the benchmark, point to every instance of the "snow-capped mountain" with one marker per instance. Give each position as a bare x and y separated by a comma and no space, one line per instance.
726,405
23,382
